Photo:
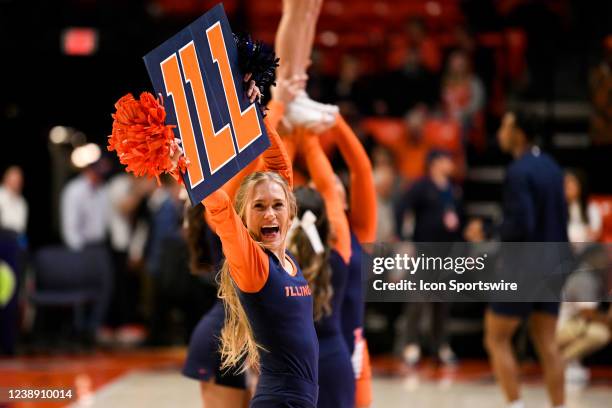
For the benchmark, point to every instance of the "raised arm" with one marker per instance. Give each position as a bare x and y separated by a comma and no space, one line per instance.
275,158
323,176
363,193
276,111
248,263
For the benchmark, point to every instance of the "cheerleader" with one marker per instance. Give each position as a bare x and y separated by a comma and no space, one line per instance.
219,388
325,266
361,210
268,303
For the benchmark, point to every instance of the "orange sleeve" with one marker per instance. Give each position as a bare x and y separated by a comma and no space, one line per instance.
363,383
363,193
276,111
290,146
248,263
322,174
275,158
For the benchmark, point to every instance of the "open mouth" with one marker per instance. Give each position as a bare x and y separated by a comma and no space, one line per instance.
270,232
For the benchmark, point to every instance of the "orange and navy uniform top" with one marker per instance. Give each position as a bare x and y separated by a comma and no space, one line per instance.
336,376
362,220
278,304
323,177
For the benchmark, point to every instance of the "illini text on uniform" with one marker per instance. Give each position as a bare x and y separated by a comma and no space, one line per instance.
297,290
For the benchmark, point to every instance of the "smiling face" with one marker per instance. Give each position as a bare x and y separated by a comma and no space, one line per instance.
267,215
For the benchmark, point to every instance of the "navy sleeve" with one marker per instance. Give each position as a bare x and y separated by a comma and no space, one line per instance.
519,209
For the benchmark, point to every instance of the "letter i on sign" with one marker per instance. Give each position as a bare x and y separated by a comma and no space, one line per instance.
196,72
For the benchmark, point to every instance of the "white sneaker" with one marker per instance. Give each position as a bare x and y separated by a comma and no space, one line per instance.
576,373
412,354
303,98
299,114
446,355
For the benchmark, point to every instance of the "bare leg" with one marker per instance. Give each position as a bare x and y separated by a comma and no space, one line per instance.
306,50
542,329
295,37
219,396
498,342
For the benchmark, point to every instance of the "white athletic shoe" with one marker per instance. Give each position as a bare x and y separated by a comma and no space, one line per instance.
303,98
412,354
299,114
576,373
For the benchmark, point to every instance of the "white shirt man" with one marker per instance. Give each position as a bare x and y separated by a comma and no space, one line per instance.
13,207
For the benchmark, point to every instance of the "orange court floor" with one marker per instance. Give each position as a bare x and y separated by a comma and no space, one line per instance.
147,378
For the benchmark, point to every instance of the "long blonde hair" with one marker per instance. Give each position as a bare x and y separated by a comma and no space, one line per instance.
315,267
238,345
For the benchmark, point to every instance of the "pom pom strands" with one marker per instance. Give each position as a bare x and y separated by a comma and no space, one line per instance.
257,58
143,142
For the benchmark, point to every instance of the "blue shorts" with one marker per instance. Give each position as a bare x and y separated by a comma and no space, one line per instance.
524,309
203,357
336,377
284,391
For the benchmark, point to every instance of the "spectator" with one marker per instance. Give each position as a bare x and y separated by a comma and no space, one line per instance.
601,97
84,222
126,196
84,207
582,328
13,207
580,291
385,182
463,95
414,63
436,205
584,219
350,92
166,255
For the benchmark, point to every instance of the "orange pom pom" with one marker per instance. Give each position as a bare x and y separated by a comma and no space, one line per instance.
143,142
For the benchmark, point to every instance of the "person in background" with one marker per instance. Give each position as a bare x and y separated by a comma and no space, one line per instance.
414,62
534,210
580,291
600,83
13,207
435,203
385,181
584,223
126,195
84,223
463,95
165,243
84,207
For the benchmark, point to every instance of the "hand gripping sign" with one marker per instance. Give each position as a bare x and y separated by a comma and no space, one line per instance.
196,73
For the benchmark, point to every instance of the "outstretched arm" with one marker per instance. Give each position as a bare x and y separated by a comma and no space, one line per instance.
248,264
363,193
323,176
275,158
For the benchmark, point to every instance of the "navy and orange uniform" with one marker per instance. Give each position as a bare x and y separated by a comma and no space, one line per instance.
278,304
336,379
203,361
362,220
